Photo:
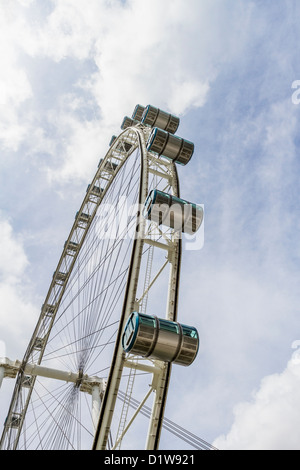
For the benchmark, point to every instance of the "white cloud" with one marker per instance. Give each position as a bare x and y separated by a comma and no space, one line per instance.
17,311
259,297
165,55
15,88
17,317
25,3
81,153
187,95
13,260
69,31
270,421
152,53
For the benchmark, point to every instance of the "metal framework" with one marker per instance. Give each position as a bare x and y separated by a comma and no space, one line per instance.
152,281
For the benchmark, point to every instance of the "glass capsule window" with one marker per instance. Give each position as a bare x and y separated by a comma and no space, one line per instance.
188,331
128,332
168,326
156,338
147,320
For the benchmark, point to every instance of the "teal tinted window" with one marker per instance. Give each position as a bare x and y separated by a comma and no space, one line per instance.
148,203
168,326
163,198
178,200
188,331
128,331
147,320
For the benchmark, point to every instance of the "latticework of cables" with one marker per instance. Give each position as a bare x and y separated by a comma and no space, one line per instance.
193,440
83,334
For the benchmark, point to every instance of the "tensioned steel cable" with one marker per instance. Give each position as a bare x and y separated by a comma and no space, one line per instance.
98,267
98,282
172,427
89,247
91,326
55,428
66,425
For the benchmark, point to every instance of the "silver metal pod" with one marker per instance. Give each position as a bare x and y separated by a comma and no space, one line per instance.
171,211
170,146
138,112
155,117
157,338
128,122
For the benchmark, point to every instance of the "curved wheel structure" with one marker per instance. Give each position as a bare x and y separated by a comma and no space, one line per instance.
75,385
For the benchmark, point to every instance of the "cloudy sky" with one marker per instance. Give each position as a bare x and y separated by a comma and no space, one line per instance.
70,71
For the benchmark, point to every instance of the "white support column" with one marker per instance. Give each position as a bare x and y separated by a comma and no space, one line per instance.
163,246
66,376
2,372
96,403
158,386
141,366
161,382
107,409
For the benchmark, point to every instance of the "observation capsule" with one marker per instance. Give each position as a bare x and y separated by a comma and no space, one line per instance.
173,212
138,112
155,117
170,146
128,122
113,138
156,338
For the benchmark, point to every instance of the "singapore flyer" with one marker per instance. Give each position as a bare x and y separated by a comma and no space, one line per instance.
95,332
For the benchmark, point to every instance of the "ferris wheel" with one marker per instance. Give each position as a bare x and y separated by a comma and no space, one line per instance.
108,332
